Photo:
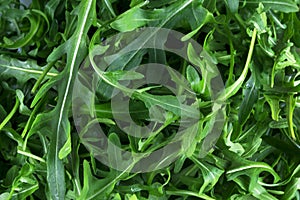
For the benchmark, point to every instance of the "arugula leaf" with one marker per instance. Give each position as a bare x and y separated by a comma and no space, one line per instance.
22,70
282,6
62,127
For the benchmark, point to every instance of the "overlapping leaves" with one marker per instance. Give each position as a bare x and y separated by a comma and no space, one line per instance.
255,45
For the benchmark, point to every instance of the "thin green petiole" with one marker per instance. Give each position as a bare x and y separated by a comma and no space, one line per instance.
41,78
30,155
232,55
291,105
232,89
10,115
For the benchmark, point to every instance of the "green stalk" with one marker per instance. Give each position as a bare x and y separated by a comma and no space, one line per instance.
232,89
30,155
31,119
45,72
232,54
291,105
10,115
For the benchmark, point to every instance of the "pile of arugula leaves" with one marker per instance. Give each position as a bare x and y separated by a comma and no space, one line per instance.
254,43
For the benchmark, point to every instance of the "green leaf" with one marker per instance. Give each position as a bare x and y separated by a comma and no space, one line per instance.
193,78
252,169
60,145
233,5
4,196
27,39
250,97
124,75
137,17
197,17
92,185
292,189
169,103
273,101
261,193
286,6
140,17
210,174
21,70
114,155
23,109
24,184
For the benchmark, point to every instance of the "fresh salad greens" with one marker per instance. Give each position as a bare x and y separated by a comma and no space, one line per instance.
255,45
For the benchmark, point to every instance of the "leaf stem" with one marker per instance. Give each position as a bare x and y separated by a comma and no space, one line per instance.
291,105
45,72
240,20
9,116
232,89
30,155
30,71
232,55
